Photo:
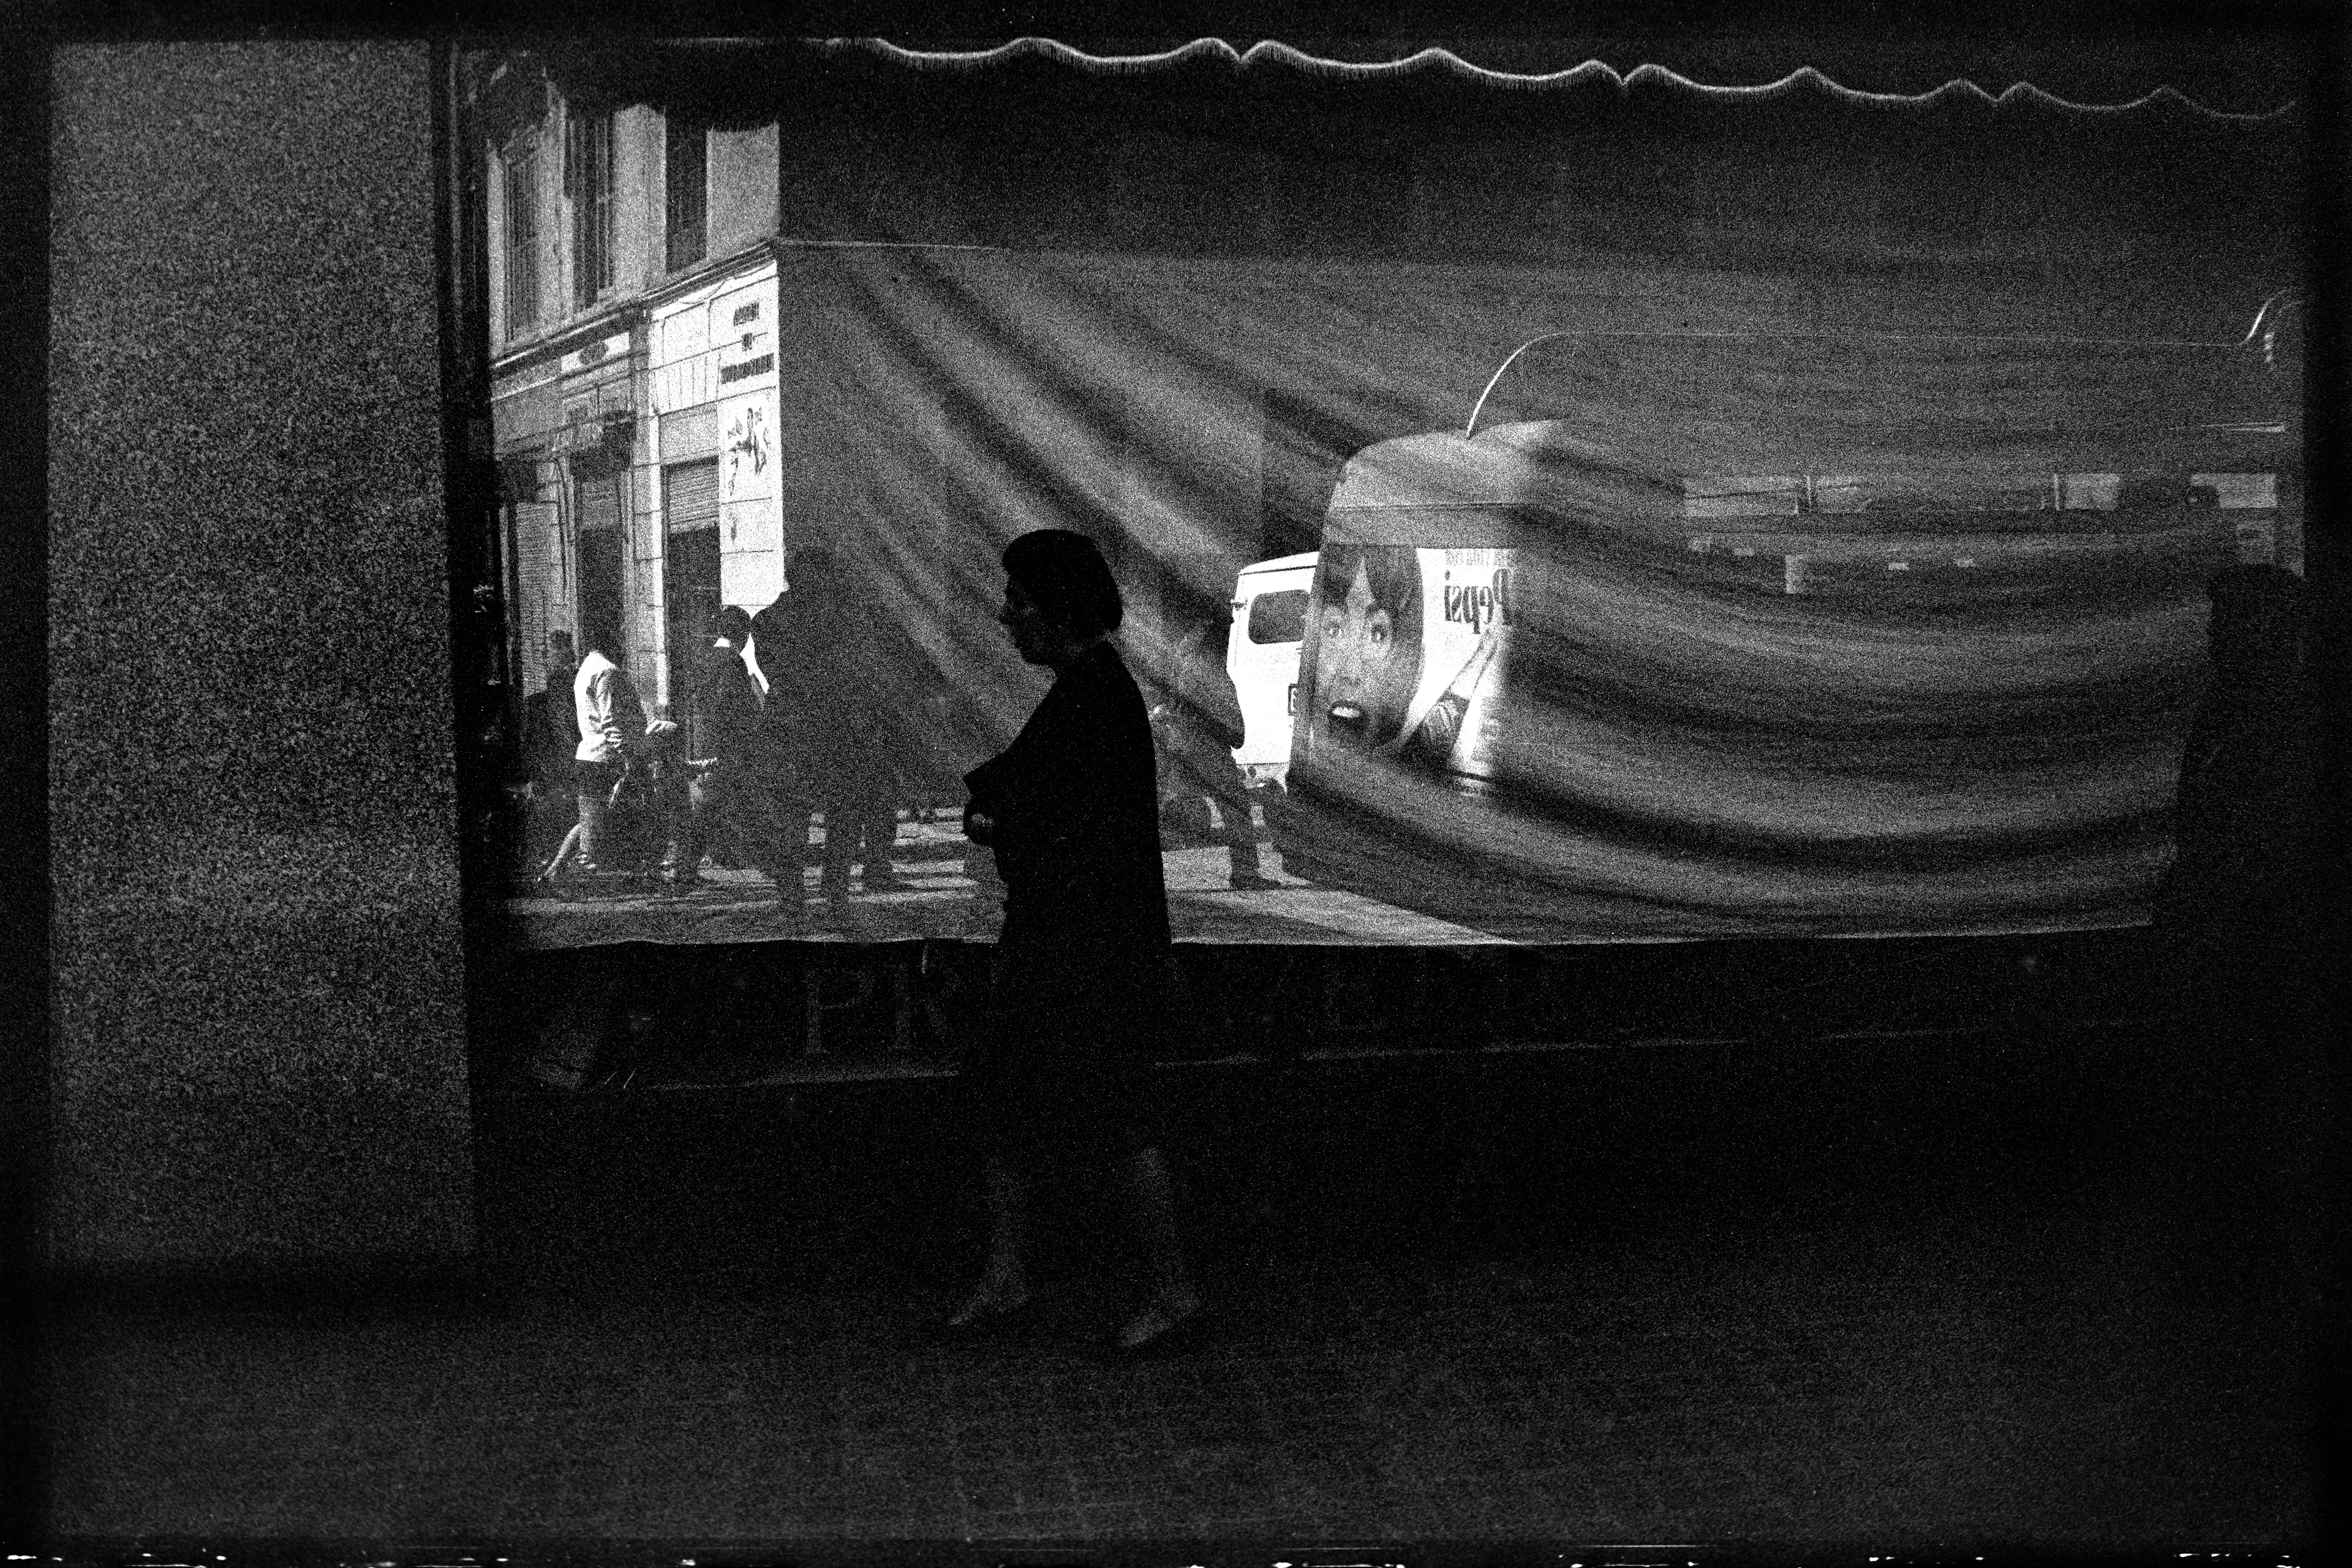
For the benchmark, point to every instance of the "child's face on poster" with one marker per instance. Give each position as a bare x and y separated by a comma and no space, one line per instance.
1365,667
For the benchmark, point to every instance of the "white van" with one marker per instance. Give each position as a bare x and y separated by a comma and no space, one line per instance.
1261,655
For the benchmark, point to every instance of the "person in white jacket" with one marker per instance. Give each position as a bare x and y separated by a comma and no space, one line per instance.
612,718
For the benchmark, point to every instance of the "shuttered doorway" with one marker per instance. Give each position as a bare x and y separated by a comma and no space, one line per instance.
600,512
690,580
542,592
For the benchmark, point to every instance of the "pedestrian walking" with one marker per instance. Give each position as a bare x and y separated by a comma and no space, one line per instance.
1061,1081
611,718
826,729
727,722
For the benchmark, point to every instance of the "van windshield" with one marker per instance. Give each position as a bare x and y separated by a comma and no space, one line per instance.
1278,618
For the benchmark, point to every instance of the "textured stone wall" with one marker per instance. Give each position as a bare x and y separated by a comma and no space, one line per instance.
259,1035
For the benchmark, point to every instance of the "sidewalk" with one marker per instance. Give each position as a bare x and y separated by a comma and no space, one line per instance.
936,898
717,1325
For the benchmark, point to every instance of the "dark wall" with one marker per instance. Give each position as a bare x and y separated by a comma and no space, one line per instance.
259,1028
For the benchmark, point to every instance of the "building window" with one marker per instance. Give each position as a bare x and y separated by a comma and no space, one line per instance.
521,239
688,170
588,181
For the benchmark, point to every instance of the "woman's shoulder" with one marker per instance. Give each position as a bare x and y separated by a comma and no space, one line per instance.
1102,670
1093,689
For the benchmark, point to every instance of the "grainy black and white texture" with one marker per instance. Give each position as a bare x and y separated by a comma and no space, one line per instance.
259,1037
1798,1289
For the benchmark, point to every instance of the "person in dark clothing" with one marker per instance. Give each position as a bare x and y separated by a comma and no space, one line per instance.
655,802
1070,809
727,709
2240,916
772,818
1198,718
827,736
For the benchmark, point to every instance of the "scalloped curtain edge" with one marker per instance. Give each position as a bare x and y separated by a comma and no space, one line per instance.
1433,59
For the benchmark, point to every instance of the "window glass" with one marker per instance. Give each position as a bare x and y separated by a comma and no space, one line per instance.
1278,616
2089,492
1754,495
687,180
1913,493
521,239
588,179
2256,492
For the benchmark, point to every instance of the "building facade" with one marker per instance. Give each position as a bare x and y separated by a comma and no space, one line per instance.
632,317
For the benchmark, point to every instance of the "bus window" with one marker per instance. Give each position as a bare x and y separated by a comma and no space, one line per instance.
1752,495
1843,494
2089,492
2257,491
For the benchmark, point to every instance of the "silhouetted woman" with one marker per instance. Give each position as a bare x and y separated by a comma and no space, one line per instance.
1071,810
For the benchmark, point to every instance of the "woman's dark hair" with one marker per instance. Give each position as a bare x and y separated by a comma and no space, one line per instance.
1065,577
733,622
1391,572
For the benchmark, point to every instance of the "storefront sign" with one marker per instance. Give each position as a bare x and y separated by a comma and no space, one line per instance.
607,432
744,347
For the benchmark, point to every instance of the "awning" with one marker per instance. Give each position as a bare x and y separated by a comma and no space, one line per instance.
2255,68
598,433
555,415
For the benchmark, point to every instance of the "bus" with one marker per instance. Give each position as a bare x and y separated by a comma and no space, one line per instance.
1773,634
